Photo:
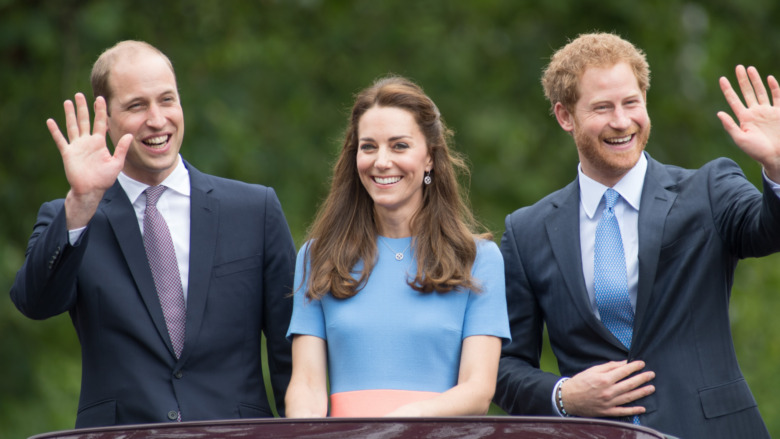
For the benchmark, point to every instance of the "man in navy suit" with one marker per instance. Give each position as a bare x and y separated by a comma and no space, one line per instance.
233,251
671,365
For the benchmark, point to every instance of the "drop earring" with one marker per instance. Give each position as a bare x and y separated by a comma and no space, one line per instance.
427,179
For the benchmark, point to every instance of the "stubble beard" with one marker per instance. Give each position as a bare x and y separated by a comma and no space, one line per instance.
613,165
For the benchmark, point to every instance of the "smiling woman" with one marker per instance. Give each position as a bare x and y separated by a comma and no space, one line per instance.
396,336
392,159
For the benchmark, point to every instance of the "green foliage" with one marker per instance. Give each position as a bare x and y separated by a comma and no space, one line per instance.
266,86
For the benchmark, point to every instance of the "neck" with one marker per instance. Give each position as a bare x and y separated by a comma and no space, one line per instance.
393,226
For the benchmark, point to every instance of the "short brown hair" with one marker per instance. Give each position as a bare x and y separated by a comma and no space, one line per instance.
561,76
102,67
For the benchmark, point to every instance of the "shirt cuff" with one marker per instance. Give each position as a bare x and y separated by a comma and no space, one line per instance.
775,186
75,235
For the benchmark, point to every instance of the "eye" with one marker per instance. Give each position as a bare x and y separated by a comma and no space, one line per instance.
367,147
401,145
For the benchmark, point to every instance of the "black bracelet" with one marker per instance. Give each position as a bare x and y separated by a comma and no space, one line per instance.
559,398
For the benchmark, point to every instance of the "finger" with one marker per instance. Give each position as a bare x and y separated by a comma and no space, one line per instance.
82,114
633,382
607,367
621,412
71,125
620,373
744,84
758,86
100,116
56,134
732,98
775,88
634,395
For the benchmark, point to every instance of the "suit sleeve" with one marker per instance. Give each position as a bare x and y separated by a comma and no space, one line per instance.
522,387
45,285
747,220
278,272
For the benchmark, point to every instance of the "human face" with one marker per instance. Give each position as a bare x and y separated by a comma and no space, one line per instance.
610,124
145,103
392,158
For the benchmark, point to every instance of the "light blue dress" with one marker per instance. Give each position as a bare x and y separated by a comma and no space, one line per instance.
389,336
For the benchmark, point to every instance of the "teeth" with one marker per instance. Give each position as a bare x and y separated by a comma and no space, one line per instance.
156,141
387,180
625,139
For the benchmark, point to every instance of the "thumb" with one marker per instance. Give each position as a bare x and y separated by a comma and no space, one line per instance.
120,152
729,125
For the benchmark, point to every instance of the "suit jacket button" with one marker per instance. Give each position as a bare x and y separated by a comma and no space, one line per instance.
178,374
173,415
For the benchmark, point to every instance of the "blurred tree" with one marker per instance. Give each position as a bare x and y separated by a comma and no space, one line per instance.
266,87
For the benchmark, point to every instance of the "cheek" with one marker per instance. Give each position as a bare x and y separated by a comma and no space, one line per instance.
363,164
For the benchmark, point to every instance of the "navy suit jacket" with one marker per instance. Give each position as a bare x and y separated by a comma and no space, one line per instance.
694,225
242,260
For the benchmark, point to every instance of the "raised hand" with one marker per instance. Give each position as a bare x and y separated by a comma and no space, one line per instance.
758,132
89,166
603,390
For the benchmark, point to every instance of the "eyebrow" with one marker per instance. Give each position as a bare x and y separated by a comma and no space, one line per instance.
402,136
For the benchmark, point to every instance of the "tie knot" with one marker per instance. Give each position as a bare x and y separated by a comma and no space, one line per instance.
611,196
153,194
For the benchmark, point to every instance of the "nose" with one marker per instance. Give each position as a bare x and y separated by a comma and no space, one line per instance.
383,160
154,117
620,120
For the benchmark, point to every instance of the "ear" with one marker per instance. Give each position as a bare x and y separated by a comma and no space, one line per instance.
428,163
565,118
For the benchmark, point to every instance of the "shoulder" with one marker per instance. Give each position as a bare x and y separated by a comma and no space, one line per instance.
209,182
303,252
488,253
536,214
716,168
228,185
234,194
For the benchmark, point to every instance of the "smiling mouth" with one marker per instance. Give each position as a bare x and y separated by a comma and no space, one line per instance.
618,141
387,180
156,142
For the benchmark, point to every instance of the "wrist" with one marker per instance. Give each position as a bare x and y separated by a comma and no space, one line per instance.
79,209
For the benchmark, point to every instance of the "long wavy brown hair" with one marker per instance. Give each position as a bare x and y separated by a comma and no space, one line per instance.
344,231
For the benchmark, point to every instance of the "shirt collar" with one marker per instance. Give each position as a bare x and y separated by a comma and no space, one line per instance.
179,181
629,187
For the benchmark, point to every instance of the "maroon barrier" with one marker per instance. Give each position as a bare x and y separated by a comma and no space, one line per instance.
519,427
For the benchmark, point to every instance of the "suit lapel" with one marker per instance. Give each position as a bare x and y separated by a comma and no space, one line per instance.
204,214
657,200
121,215
563,231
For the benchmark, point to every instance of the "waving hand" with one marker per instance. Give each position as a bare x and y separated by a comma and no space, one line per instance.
758,132
89,166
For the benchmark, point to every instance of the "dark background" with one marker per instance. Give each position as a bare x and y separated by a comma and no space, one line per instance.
266,86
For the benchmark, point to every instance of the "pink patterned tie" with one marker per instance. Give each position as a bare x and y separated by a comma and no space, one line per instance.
165,269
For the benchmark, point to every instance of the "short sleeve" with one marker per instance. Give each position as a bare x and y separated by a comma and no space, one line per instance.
307,316
486,312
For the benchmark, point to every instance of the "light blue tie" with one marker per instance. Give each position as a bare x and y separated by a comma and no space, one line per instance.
609,277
